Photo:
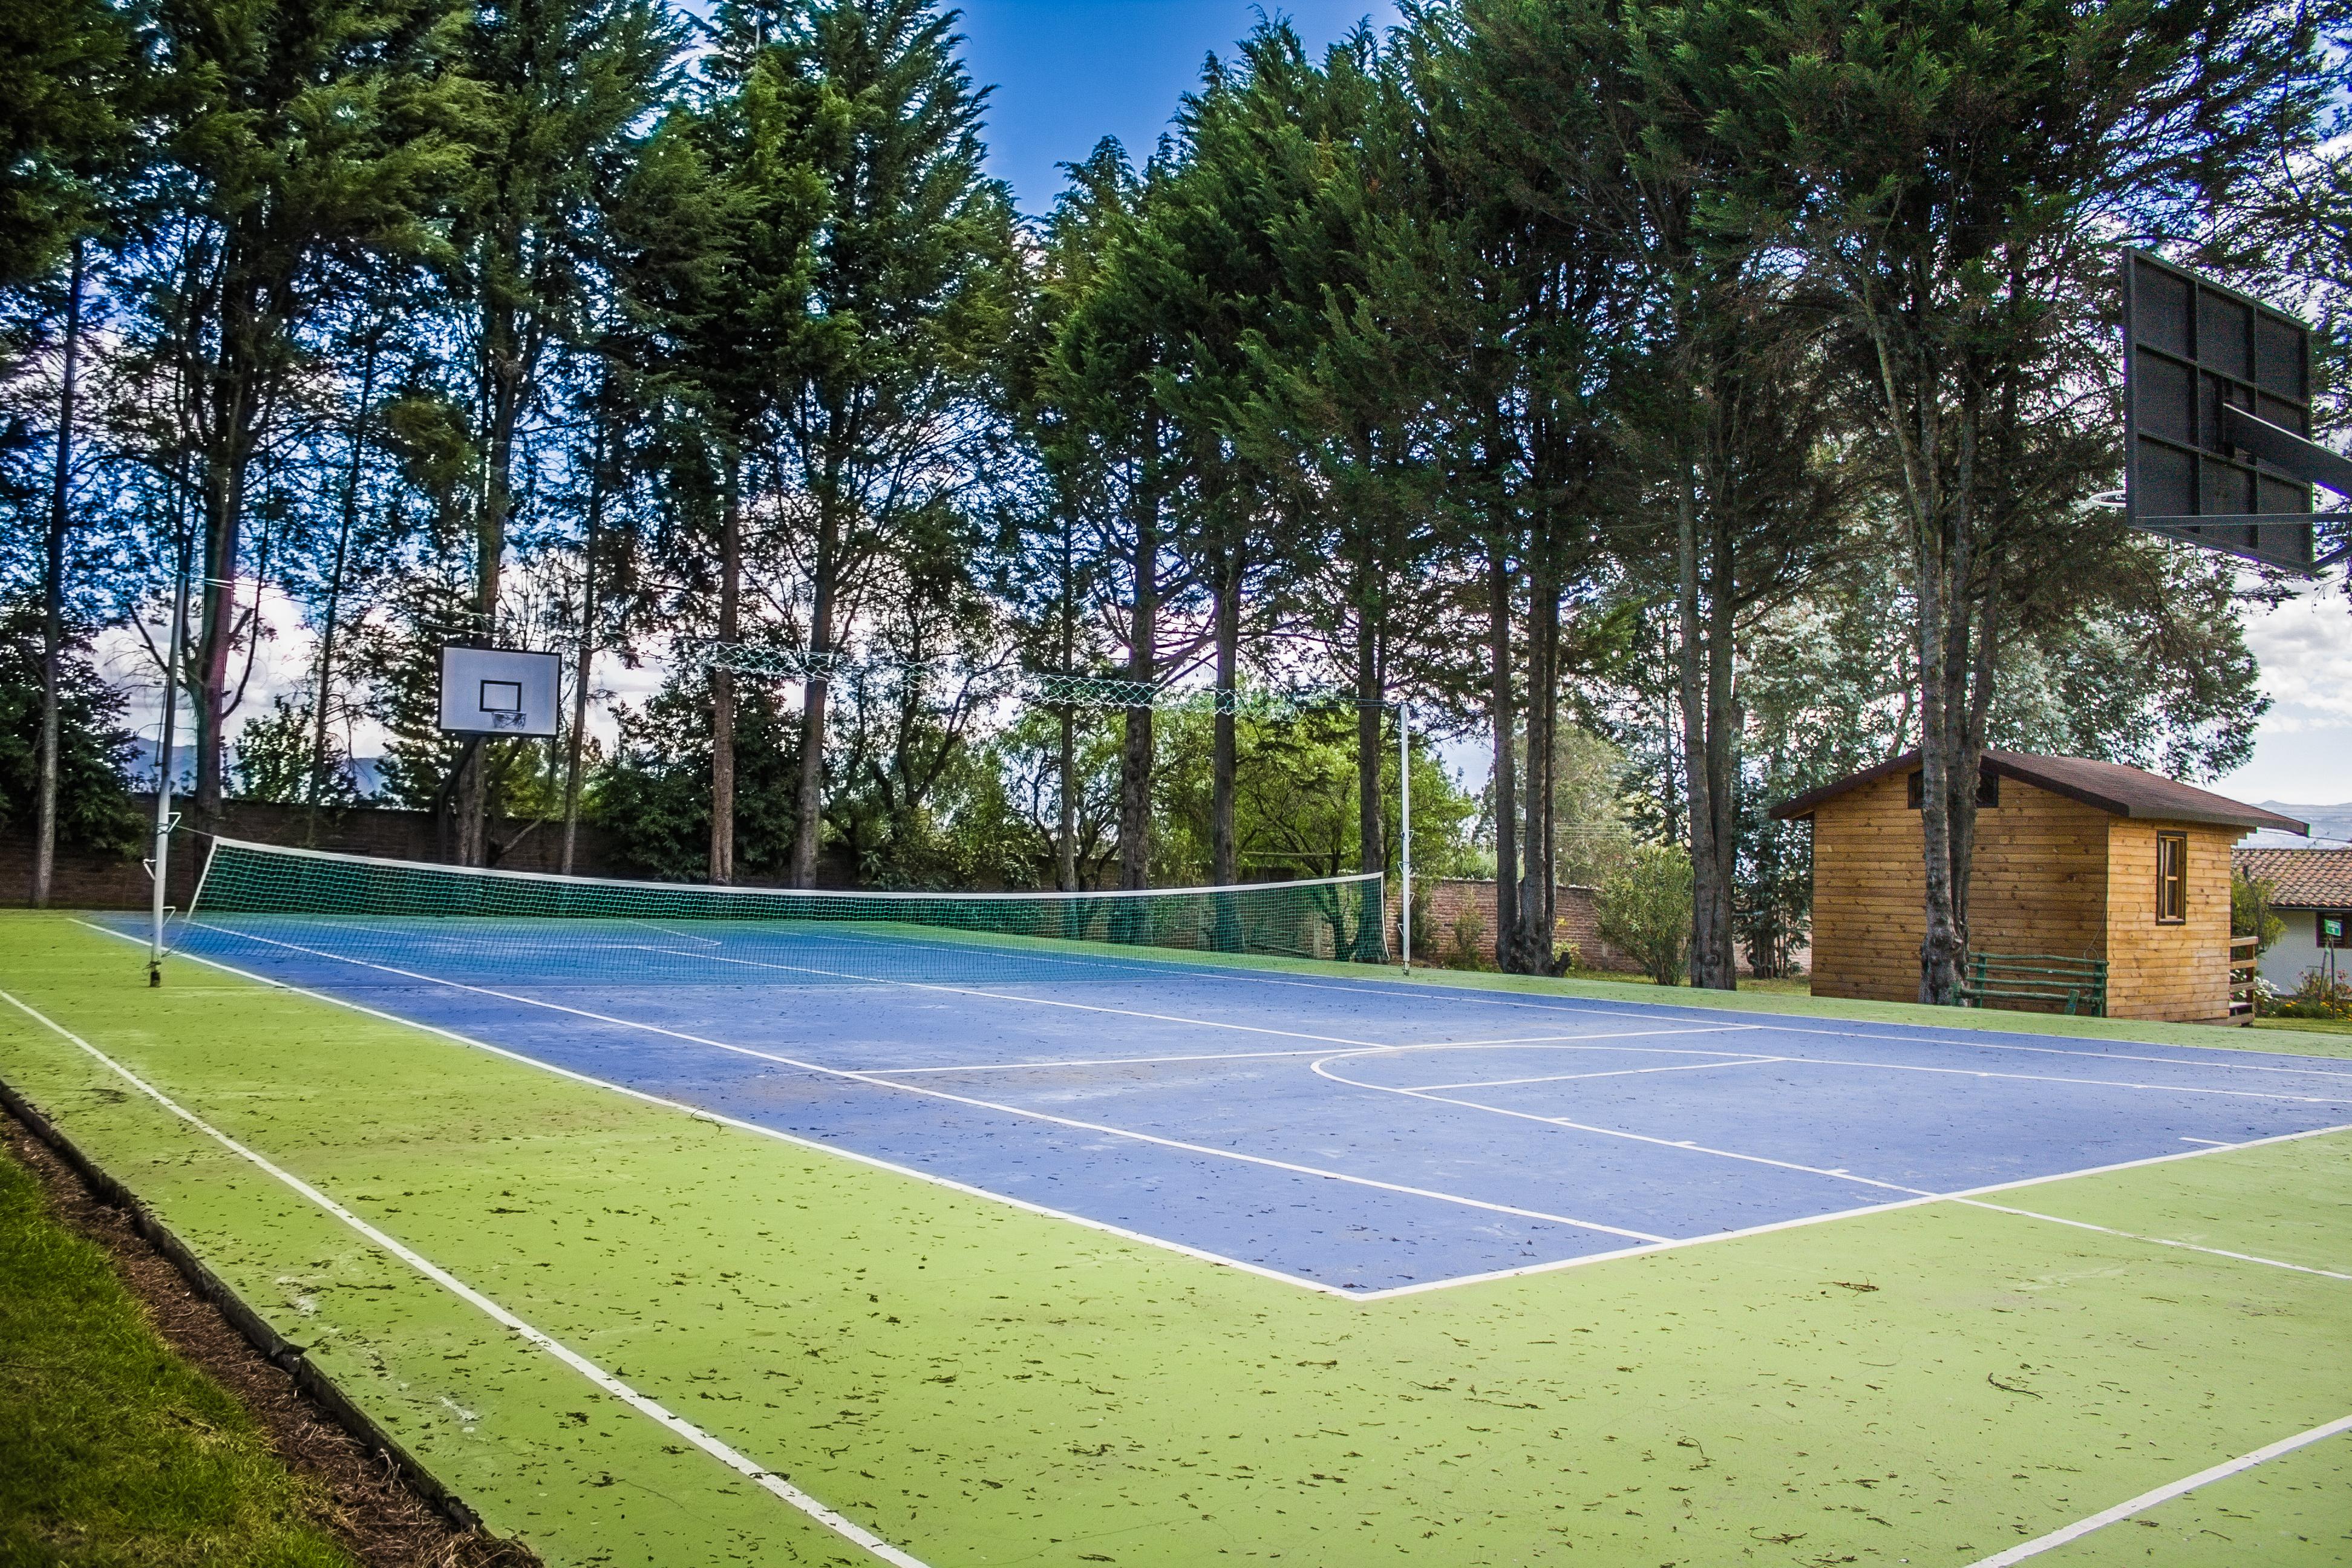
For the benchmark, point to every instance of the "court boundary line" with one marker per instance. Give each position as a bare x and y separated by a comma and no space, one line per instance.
1201,967
1200,1254
2163,1494
1891,1206
855,1076
1889,1067
1515,1042
539,1338
1995,1040
2155,1240
719,1117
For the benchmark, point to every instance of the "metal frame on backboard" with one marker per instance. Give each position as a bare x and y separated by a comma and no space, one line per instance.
2217,419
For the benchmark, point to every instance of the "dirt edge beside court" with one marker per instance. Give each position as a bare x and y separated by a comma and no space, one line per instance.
387,1511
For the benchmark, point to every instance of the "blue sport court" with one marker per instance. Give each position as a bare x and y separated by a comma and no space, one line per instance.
1367,1137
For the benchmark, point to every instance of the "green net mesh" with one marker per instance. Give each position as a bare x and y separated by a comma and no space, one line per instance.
527,927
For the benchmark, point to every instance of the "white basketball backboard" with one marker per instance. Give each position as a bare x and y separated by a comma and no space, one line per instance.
498,691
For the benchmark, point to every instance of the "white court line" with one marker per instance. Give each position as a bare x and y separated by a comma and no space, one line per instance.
1579,1076
2153,1240
2162,1494
1363,1297
1951,1072
1320,1070
1786,1023
699,1113
767,1479
1595,1006
1560,1265
1069,1121
1565,1041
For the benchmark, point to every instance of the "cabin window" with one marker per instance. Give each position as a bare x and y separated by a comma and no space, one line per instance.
2172,877
2334,928
1988,791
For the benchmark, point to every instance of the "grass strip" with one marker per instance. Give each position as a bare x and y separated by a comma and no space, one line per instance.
112,1449
983,1385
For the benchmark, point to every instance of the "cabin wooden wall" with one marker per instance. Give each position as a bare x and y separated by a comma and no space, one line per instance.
2178,972
2041,885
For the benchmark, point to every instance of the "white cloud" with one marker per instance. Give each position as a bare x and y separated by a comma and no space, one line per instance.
2302,746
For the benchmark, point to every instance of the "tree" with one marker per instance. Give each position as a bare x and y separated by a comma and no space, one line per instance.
288,142
881,378
1108,441
63,75
94,811
560,87
1952,181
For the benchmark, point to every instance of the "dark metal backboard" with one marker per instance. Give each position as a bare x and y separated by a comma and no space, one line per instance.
2192,350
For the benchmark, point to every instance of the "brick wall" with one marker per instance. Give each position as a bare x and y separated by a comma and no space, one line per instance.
1461,907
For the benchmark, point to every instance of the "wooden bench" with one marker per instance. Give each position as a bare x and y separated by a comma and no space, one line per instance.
2080,984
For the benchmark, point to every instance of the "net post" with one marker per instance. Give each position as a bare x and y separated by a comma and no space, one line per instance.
1404,832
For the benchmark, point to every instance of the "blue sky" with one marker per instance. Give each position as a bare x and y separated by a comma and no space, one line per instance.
1068,73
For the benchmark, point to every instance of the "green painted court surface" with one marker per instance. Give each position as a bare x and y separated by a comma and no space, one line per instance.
975,1383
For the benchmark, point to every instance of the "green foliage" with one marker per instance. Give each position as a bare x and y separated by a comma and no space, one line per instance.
1644,906
62,75
2251,914
2320,994
1295,803
271,759
654,796
94,808
113,1450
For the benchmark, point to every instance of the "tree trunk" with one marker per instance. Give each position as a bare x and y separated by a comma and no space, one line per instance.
1371,749
808,799
722,681
1224,747
1065,826
1719,969
325,677
1690,685
53,598
502,385
584,671
1506,825
1135,756
1531,940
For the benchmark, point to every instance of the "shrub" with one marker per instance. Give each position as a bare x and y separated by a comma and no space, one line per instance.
1644,906
1466,945
2320,996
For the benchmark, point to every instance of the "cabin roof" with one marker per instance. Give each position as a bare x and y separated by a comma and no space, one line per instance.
2116,788
2299,878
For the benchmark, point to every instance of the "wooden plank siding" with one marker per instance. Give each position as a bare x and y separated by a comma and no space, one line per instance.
2179,971
2040,885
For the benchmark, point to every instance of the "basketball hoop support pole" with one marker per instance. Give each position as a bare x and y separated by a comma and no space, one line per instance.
1404,831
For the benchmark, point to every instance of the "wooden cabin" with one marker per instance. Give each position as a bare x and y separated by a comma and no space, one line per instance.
2074,859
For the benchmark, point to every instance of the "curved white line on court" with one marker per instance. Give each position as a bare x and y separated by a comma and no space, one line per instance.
767,1479
2162,1494
1070,1122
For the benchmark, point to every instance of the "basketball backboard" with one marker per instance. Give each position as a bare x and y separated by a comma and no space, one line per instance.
2217,417
498,691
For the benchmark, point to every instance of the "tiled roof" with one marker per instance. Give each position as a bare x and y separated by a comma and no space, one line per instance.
2116,787
2300,878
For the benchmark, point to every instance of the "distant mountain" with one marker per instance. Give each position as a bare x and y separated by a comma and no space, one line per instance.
2331,827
